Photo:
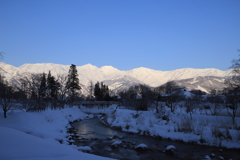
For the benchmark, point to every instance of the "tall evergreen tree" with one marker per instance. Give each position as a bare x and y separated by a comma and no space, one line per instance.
49,84
104,92
43,86
97,91
73,82
52,86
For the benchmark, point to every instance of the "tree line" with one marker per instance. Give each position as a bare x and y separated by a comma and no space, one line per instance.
39,91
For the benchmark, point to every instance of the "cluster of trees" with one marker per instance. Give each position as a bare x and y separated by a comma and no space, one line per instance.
139,97
101,92
142,97
39,91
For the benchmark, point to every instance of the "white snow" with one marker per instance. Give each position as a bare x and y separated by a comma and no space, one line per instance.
84,148
207,157
220,157
200,127
36,136
170,147
115,143
141,146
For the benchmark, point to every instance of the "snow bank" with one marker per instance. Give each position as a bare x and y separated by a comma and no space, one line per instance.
201,129
35,135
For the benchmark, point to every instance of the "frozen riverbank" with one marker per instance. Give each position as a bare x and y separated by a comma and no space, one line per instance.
201,129
37,135
109,142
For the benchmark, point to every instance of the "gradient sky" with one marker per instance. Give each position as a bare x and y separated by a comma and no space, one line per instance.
126,34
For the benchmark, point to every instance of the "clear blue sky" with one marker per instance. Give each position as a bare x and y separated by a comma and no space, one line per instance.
126,34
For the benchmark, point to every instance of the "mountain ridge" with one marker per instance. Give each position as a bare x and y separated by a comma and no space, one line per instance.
89,64
113,76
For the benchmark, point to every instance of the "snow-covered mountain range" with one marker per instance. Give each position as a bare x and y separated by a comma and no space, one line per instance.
117,79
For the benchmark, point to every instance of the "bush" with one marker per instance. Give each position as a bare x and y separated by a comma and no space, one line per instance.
184,125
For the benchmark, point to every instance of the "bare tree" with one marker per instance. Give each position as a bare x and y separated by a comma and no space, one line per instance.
159,106
32,83
1,57
190,104
233,90
216,101
147,97
6,96
91,89
139,97
62,97
173,95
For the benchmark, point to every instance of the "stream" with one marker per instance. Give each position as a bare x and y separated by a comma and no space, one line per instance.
99,137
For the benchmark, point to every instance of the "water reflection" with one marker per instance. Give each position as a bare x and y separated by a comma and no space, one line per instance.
91,128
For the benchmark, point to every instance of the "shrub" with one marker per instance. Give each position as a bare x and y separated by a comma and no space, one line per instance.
184,125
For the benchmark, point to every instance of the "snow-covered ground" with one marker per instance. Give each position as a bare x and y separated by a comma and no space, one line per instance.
201,129
36,136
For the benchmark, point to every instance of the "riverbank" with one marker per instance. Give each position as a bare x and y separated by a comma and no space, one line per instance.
40,135
110,142
201,129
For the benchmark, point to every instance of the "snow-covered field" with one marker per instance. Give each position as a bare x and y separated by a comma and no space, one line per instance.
36,136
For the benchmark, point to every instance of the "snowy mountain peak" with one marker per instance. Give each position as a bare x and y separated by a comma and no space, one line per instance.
143,69
44,68
6,66
112,75
108,70
88,67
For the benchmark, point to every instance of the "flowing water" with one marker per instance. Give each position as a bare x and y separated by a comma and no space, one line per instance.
99,137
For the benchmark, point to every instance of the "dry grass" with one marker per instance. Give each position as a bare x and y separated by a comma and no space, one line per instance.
185,125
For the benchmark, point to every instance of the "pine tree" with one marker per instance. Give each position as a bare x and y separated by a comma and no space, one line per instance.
97,91
48,92
73,82
106,94
52,86
43,87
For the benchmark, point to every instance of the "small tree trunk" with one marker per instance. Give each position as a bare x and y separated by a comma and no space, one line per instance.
5,113
171,104
157,110
233,116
